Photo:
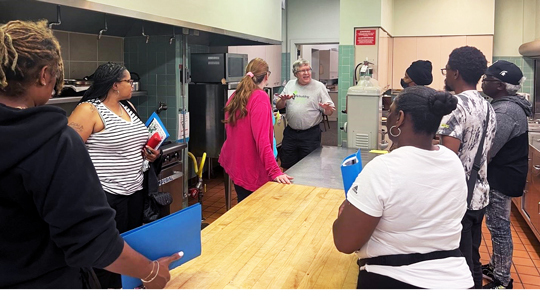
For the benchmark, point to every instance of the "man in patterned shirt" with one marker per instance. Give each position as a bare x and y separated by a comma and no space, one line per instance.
461,131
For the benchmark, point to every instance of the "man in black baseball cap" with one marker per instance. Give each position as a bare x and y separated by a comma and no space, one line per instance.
506,72
419,73
507,170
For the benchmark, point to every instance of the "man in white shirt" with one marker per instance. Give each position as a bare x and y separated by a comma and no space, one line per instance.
461,131
306,101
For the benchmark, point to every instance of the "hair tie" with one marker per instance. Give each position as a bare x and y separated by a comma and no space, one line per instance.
249,74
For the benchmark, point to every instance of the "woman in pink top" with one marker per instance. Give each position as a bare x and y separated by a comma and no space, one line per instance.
247,155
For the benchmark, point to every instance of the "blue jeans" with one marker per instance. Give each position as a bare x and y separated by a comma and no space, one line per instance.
498,223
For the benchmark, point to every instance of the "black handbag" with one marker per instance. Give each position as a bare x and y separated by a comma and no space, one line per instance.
154,200
153,203
161,198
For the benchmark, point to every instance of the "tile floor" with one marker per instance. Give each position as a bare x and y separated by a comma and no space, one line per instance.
526,259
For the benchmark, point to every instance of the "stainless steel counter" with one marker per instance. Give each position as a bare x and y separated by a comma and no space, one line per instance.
322,167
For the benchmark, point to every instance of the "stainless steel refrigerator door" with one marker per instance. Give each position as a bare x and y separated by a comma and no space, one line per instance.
207,131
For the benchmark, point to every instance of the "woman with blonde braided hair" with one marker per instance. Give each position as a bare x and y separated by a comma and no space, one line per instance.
247,154
55,221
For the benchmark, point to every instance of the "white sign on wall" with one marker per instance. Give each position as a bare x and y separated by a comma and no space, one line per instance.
181,117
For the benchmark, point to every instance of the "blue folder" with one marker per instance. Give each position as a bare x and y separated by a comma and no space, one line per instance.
350,168
180,231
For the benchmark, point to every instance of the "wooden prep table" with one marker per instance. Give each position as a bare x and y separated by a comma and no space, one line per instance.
280,237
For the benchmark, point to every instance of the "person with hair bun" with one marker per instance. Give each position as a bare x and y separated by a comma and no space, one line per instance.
402,216
55,223
247,155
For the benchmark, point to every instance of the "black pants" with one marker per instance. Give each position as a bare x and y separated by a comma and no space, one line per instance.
297,144
370,280
129,214
241,192
471,237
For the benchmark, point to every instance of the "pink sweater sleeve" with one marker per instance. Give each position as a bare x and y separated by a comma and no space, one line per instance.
262,130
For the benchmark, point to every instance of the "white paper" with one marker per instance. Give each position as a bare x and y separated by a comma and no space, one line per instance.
181,125
350,161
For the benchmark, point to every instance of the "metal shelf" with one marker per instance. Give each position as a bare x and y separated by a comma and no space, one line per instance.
58,100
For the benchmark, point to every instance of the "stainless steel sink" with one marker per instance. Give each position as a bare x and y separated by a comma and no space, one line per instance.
534,127
534,139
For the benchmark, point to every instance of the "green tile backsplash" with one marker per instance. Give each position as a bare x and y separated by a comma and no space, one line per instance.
345,69
155,63
83,53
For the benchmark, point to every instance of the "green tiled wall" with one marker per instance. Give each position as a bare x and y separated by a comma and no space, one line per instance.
527,67
345,70
285,66
155,62
285,71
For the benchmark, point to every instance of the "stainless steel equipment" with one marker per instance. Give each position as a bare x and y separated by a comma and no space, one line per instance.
136,81
322,167
364,109
214,68
207,131
170,178
536,104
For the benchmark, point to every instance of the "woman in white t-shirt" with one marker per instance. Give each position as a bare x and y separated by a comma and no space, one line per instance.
403,213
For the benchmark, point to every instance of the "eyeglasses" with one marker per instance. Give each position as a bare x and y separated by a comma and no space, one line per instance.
129,81
443,71
269,73
304,70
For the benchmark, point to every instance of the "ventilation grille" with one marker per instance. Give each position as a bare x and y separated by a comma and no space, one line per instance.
361,141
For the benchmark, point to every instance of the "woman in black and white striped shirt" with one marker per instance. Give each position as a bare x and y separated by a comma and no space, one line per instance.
115,138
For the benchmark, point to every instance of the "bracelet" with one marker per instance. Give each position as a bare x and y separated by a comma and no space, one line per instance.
157,272
151,272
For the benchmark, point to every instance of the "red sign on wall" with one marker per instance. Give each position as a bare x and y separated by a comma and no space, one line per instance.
365,37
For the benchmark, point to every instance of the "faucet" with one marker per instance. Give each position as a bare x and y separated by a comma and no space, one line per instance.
162,107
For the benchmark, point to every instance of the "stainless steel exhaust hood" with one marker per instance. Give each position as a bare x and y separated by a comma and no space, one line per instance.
88,17
530,49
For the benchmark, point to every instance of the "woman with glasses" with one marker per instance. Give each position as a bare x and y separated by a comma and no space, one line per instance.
115,138
54,217
247,154
306,101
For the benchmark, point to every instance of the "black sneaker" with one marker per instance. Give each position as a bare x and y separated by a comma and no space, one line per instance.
497,285
487,272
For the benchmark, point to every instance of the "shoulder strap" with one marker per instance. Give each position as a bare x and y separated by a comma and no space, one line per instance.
476,166
129,105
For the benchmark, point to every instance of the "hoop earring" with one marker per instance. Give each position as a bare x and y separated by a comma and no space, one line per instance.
394,135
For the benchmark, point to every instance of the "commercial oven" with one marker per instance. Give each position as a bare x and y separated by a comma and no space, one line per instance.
171,177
